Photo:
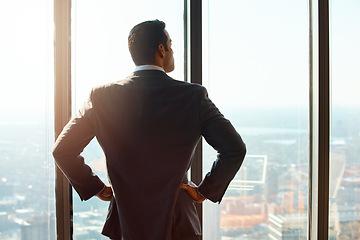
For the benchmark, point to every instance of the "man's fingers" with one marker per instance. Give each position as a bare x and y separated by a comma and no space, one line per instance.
184,186
188,185
106,194
191,189
105,198
108,191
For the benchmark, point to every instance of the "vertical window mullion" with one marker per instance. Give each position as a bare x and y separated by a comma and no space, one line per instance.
319,120
196,77
62,108
324,120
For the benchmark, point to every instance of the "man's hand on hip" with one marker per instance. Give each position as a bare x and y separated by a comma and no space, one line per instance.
191,189
106,194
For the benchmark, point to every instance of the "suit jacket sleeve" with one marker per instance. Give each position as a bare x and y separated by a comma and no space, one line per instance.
222,136
68,146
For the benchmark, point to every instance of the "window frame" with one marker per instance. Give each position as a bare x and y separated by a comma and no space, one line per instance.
62,111
319,87
194,29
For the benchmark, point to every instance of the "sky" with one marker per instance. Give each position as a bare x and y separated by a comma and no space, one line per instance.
255,52
25,54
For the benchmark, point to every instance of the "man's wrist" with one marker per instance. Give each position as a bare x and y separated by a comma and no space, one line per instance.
101,190
200,194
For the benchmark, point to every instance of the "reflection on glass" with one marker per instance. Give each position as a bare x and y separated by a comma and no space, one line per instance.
27,208
256,72
100,55
344,192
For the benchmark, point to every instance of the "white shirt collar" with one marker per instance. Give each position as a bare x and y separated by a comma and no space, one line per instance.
149,67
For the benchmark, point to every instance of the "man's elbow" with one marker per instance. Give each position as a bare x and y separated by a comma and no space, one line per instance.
240,147
240,154
242,150
237,154
57,151
60,156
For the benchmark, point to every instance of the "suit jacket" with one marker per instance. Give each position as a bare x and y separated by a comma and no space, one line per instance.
148,126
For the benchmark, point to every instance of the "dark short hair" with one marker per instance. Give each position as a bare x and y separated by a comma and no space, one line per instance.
144,39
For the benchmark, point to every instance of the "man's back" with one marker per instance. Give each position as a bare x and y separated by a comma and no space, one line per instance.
148,126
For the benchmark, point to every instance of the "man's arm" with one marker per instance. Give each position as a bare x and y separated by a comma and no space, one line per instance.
67,148
222,136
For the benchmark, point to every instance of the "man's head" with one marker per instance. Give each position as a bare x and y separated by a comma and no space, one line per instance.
150,43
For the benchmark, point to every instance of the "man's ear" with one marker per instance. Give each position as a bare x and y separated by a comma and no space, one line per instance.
161,50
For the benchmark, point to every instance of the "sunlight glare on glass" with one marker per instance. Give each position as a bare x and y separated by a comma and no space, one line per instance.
24,54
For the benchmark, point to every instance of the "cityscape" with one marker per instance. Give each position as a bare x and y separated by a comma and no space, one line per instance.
268,198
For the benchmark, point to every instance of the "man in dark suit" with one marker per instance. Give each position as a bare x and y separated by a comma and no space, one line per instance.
148,126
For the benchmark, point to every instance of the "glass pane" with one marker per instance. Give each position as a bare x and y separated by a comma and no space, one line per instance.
27,207
257,72
344,189
100,55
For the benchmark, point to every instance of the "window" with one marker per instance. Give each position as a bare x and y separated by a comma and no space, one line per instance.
100,55
256,69
344,192
27,208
